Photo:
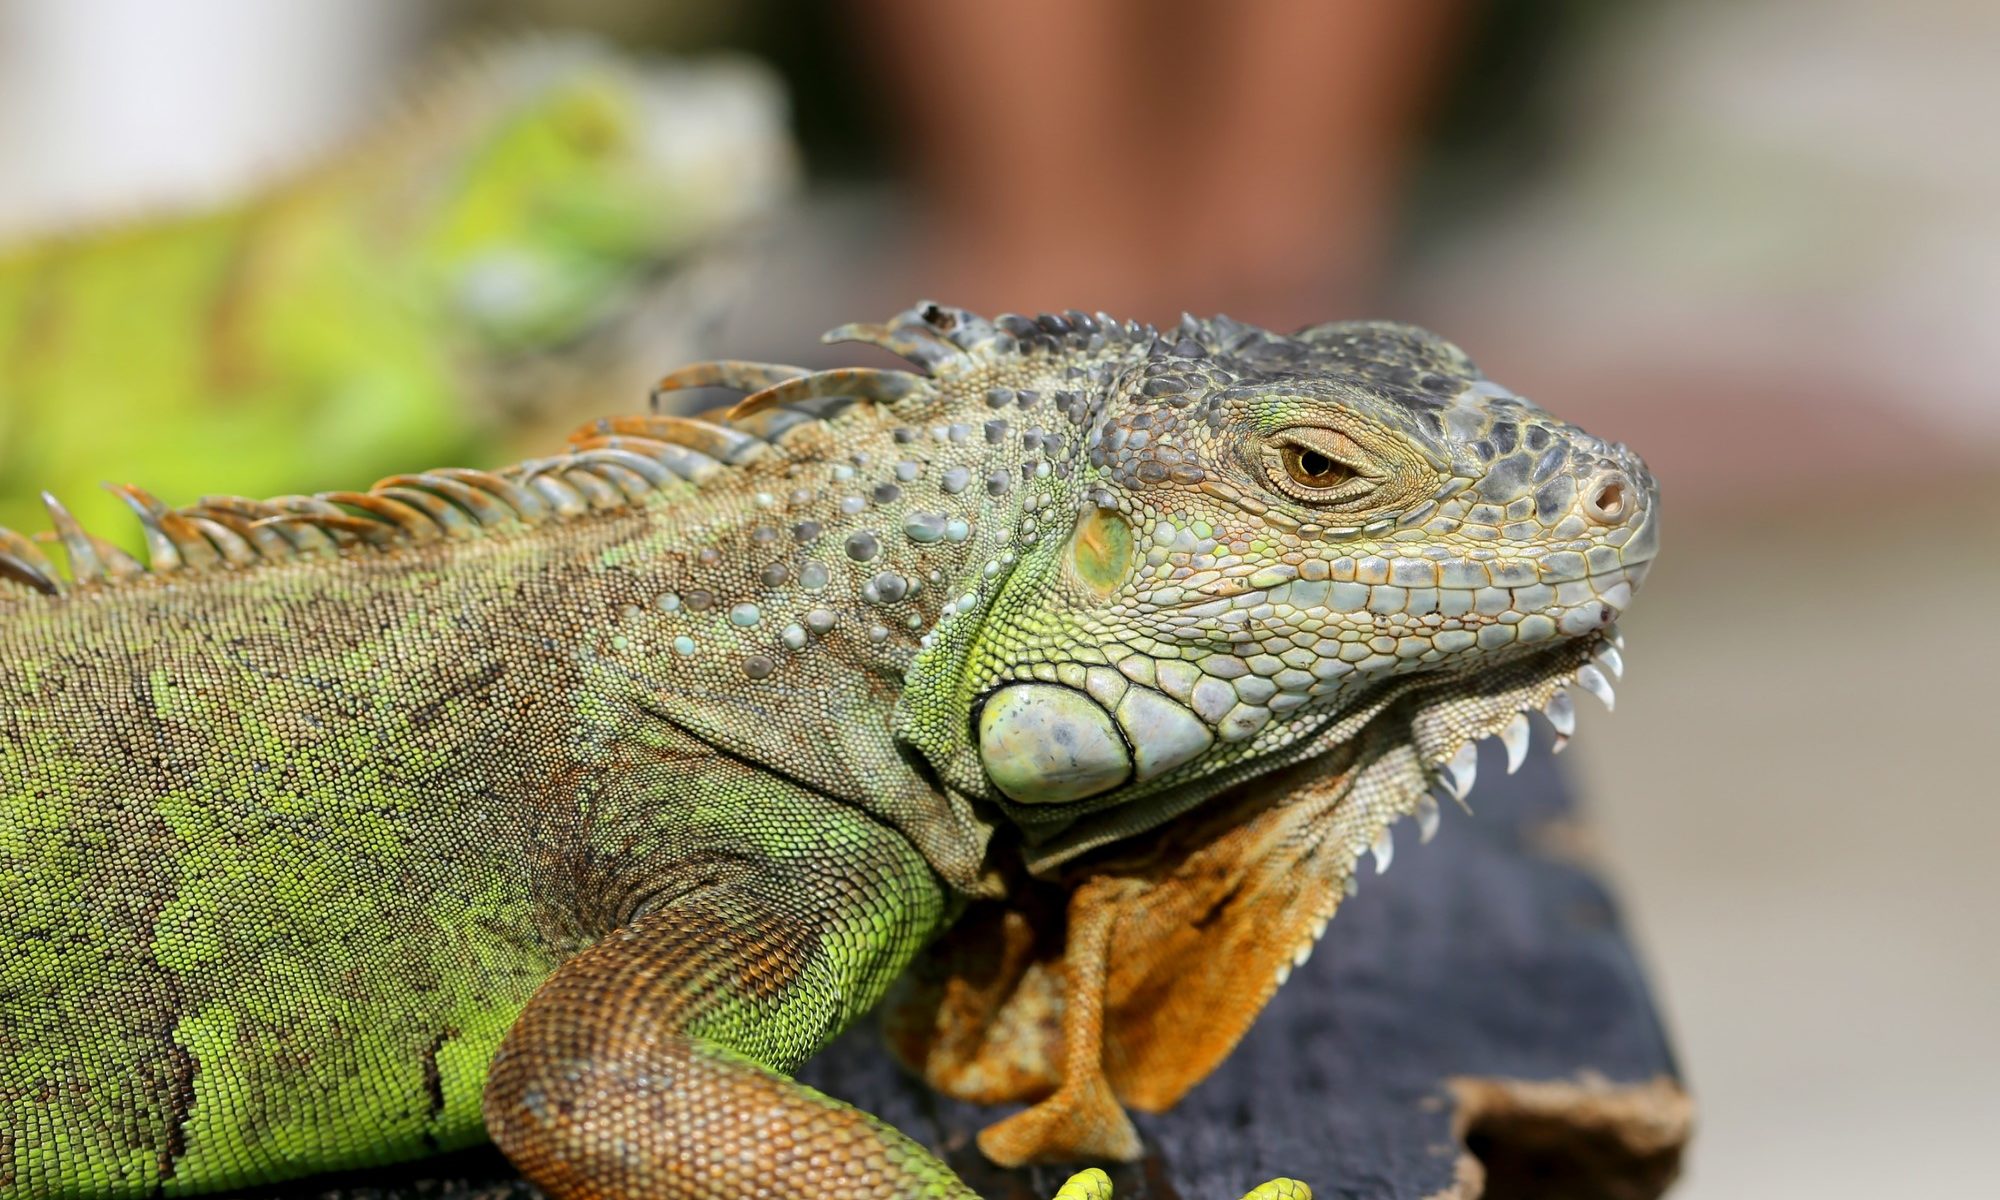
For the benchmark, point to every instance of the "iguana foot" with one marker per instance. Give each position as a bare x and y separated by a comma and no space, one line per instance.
1094,1184
1082,1120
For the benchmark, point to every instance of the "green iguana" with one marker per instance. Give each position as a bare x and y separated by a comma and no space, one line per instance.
481,251
576,803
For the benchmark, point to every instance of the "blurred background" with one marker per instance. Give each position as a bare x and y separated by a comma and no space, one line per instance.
248,247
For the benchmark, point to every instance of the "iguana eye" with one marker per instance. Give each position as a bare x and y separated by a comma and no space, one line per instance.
1310,468
1320,466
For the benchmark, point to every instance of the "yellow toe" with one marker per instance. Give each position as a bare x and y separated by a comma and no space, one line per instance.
1281,1189
1091,1184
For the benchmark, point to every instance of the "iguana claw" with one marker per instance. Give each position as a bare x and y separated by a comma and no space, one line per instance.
1094,1184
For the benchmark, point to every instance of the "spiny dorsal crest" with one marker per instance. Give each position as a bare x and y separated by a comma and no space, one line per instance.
611,464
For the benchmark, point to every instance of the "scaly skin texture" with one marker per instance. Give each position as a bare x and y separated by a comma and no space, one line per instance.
579,802
465,267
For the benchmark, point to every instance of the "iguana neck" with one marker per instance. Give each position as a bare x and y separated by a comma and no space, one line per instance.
840,552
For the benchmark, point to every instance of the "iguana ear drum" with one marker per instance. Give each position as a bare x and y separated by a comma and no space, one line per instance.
1045,744
1100,552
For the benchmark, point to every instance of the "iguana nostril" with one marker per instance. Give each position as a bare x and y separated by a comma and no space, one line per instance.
1609,501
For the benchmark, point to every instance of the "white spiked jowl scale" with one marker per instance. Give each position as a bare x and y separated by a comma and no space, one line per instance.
1515,738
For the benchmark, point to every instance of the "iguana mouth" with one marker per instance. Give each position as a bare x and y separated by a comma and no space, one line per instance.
1590,663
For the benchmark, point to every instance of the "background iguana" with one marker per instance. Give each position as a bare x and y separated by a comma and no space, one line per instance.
578,802
528,229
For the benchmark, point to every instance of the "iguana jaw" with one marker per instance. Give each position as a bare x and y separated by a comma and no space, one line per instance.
1416,737
1394,766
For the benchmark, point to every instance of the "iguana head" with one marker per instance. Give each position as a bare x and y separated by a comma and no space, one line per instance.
560,175
1249,597
1242,550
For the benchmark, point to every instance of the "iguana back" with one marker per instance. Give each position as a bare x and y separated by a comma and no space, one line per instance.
267,864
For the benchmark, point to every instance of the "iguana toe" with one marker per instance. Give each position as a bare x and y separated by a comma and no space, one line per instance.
1091,1184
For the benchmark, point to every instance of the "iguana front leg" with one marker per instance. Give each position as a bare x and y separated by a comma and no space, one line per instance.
654,1063
1082,1118
1163,956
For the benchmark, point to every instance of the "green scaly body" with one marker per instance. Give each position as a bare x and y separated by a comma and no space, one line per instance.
578,802
365,758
